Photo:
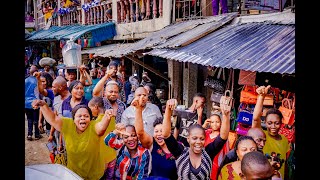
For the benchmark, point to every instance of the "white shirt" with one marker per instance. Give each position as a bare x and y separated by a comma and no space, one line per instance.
149,114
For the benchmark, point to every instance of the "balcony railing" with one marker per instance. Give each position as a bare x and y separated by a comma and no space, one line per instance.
127,11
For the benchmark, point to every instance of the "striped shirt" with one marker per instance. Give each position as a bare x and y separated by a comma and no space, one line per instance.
183,163
121,107
127,167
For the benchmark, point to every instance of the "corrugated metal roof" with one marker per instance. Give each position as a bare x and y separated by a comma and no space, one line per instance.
261,47
111,50
173,35
105,31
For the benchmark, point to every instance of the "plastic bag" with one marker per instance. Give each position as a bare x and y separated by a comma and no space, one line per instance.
71,53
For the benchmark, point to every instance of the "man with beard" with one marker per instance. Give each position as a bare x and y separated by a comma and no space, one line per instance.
111,100
150,112
110,75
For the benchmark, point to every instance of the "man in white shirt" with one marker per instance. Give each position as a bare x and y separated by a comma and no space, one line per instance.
150,112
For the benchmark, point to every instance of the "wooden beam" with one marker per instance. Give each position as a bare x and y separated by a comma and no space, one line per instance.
136,60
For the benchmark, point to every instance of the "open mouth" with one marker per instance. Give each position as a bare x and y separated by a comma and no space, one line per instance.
83,124
131,144
160,139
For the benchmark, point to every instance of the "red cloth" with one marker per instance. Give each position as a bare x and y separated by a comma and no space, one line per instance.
219,157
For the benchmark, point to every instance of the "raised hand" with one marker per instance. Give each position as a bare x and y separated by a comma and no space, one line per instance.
262,90
206,123
109,113
37,103
82,67
37,74
199,110
171,104
121,129
224,110
137,102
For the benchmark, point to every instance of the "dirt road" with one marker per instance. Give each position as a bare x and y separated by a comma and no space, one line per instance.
36,151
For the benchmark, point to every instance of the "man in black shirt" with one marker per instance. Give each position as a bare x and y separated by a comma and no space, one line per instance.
185,118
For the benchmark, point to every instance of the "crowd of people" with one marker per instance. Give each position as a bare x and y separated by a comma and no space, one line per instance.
103,136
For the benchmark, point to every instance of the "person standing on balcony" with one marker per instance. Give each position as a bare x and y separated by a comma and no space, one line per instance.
216,7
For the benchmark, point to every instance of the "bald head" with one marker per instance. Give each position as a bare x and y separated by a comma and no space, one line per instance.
33,69
259,137
255,165
59,85
141,91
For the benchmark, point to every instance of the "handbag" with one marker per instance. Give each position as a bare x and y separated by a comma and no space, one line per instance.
288,132
287,111
215,97
245,114
249,95
227,100
242,129
217,84
247,77
61,158
232,138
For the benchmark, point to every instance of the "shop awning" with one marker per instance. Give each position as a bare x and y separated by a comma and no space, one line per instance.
175,35
100,32
260,47
263,43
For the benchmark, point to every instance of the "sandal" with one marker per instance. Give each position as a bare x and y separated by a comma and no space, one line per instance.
29,138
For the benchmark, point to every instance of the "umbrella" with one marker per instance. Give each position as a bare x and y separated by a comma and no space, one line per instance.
49,172
47,61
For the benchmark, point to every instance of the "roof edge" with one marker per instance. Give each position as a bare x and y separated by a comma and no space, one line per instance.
284,17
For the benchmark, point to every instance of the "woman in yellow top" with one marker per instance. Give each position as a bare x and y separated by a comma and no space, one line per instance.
275,143
232,171
82,138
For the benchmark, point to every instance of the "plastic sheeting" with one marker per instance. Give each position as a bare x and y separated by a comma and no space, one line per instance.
50,172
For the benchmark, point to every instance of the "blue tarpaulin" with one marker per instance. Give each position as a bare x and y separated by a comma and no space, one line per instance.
99,32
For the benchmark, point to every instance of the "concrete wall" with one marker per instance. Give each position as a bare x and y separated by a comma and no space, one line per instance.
141,29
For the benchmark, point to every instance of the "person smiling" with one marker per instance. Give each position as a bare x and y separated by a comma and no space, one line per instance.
82,138
275,142
133,160
194,162
163,162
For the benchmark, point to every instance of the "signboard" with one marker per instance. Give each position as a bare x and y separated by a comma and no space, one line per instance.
264,5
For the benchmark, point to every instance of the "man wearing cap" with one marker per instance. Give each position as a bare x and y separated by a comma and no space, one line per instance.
110,75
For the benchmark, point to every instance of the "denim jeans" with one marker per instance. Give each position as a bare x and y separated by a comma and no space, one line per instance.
33,118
